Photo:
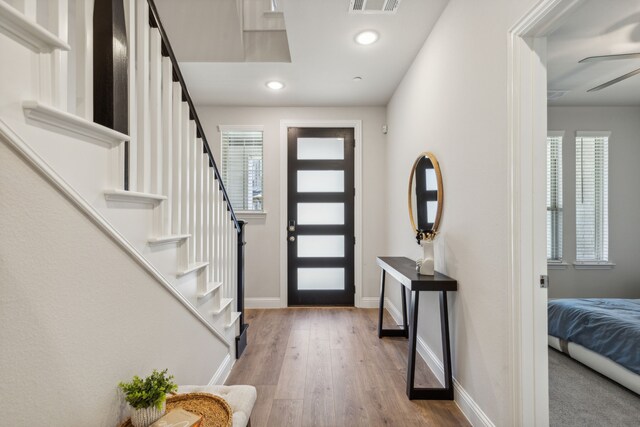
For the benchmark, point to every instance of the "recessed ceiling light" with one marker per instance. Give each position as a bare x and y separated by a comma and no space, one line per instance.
367,37
275,85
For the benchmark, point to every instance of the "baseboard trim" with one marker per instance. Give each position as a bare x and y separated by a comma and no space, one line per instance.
221,375
463,399
262,303
395,313
369,302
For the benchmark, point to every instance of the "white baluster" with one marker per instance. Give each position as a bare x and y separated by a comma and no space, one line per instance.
234,264
142,83
59,24
199,230
223,249
156,143
132,38
184,199
167,145
220,239
155,112
84,56
206,215
227,254
193,149
213,236
177,162
232,257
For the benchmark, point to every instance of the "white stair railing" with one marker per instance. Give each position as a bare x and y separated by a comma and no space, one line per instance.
178,162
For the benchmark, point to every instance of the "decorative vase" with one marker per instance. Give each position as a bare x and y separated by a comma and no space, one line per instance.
144,417
427,262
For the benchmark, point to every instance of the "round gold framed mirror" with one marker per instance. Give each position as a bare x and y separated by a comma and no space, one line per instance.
425,197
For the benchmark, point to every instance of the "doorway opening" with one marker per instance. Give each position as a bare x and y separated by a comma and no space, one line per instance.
539,218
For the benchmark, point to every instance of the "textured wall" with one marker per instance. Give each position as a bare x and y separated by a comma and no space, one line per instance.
78,314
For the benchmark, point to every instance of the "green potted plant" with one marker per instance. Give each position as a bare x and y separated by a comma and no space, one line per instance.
147,397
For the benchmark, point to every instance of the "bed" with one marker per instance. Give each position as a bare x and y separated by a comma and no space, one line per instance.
602,333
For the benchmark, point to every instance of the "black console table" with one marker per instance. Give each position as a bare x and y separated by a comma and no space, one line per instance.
404,271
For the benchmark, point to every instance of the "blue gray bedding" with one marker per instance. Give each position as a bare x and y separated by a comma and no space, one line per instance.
610,327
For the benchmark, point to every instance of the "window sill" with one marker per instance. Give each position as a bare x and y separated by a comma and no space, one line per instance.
557,265
593,265
251,214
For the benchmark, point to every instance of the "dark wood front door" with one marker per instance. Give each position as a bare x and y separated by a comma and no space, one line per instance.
320,229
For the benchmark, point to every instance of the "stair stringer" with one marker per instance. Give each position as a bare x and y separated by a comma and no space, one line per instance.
181,290
96,179
84,311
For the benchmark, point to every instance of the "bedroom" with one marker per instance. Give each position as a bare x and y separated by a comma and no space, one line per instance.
593,204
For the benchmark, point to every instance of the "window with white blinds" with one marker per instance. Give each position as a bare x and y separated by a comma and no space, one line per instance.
592,197
242,170
554,196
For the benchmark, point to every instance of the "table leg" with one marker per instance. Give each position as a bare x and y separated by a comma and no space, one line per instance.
435,393
413,338
381,311
382,332
446,347
405,324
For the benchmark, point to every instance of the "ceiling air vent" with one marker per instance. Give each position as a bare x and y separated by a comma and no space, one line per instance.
373,6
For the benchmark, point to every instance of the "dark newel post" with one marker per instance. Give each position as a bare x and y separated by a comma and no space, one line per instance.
111,70
241,339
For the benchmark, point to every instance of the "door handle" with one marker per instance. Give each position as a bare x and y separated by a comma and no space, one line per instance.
292,225
292,238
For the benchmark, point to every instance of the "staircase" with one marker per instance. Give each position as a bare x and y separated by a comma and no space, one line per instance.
120,136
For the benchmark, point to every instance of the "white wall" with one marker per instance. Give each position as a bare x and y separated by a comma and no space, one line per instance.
623,281
78,314
453,102
263,235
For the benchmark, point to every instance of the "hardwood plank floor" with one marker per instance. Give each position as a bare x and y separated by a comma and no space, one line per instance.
327,367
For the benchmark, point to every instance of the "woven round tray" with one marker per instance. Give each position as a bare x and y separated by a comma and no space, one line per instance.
215,411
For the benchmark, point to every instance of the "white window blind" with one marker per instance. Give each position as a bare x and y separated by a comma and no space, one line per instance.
554,196
592,194
242,170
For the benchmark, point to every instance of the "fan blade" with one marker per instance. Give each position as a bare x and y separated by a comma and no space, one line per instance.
610,57
614,81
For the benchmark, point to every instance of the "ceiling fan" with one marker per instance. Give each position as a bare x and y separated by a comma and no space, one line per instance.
601,58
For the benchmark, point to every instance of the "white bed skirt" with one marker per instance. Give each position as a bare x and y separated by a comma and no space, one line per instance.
599,363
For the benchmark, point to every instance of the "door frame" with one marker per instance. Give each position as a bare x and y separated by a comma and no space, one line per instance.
527,126
356,125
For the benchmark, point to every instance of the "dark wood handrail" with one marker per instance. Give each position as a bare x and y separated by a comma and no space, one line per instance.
167,50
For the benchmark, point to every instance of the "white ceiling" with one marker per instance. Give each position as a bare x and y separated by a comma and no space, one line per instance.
324,56
598,27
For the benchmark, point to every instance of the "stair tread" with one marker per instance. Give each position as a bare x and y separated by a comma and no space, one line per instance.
211,288
234,318
62,120
224,303
170,238
133,196
192,267
28,32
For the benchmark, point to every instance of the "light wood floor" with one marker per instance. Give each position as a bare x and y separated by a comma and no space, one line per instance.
327,367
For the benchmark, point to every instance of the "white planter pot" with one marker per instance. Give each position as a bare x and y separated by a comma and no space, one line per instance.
144,417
